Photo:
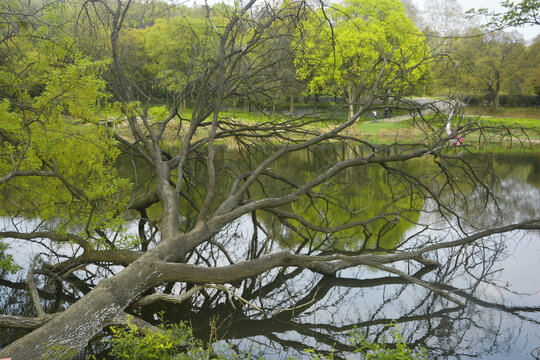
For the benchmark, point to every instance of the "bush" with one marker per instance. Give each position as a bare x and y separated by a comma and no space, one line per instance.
504,100
174,342
519,100
476,100
398,350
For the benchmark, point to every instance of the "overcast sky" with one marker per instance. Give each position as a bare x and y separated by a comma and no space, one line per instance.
528,32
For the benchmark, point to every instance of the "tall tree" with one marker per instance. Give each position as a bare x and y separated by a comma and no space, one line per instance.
532,61
348,48
490,63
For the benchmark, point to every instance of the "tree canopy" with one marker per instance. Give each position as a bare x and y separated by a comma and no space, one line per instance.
347,48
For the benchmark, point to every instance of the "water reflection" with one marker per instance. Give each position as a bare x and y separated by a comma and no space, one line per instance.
302,309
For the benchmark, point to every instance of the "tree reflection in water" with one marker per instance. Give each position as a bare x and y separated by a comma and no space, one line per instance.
327,308
303,309
299,309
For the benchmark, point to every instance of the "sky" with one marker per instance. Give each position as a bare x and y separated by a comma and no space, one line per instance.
528,32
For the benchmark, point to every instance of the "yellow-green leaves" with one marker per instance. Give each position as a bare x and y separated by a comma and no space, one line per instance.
346,48
50,126
73,91
173,50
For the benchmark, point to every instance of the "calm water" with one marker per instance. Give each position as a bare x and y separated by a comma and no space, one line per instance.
499,281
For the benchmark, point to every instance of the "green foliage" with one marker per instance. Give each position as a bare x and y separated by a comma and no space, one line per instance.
170,342
486,65
173,50
49,123
176,342
7,263
396,349
346,56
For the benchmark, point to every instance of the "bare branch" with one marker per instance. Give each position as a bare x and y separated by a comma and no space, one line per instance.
34,293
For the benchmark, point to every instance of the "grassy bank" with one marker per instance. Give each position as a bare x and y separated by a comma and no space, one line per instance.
505,112
383,131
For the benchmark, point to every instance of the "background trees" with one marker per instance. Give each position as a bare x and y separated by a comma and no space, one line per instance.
533,61
483,65
58,157
347,48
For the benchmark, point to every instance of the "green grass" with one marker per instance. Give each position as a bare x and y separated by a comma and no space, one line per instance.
505,112
378,132
532,124
373,129
521,128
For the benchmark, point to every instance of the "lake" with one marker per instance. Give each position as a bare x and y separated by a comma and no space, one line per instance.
497,278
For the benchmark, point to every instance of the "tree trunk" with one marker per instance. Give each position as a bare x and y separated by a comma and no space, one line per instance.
497,89
494,87
291,100
70,331
351,97
235,102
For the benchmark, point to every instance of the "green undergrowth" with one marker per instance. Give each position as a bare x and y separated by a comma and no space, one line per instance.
176,342
170,342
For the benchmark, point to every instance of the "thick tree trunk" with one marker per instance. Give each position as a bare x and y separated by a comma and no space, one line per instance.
493,88
69,332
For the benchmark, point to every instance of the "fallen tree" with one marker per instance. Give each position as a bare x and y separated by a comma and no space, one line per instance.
83,203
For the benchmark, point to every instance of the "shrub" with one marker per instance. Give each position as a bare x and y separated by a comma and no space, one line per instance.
173,342
504,100
176,342
519,100
397,349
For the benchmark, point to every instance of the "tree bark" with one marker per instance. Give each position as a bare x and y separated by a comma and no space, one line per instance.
291,100
351,94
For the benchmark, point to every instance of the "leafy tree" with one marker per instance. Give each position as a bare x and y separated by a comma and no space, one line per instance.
55,157
532,63
495,64
348,48
485,65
